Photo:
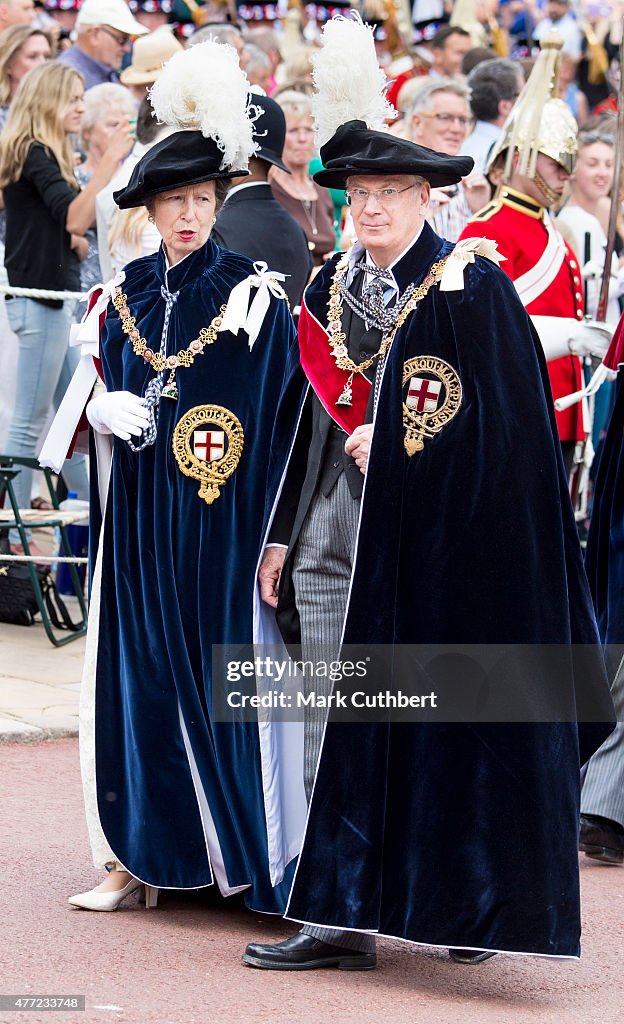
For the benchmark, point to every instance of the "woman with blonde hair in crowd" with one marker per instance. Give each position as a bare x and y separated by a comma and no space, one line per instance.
47,216
310,205
585,214
22,48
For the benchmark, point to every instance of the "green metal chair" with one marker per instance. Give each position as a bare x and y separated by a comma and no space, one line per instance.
10,466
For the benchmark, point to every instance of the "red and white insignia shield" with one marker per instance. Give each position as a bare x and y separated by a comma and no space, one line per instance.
209,445
423,395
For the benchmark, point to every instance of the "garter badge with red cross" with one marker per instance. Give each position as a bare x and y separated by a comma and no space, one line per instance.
432,395
208,443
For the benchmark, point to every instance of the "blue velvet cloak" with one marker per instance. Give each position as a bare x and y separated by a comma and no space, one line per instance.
605,544
177,577
460,834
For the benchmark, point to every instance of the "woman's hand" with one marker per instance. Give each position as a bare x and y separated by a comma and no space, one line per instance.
118,412
80,246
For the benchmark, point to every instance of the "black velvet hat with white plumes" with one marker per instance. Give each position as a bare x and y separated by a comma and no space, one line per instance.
356,150
184,158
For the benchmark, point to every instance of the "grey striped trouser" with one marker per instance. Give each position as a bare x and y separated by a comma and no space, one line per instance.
603,786
322,566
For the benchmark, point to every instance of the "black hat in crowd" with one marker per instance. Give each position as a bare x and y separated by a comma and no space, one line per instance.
269,131
184,158
356,149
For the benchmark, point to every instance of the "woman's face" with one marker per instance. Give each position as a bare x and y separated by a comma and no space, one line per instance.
299,144
75,108
184,218
99,135
32,53
593,176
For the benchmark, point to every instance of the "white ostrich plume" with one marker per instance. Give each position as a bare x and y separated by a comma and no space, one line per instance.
350,85
204,89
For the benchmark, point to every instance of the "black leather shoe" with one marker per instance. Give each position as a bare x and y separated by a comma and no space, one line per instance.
304,953
602,839
470,956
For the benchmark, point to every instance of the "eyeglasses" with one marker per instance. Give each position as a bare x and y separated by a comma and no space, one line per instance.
121,40
448,119
384,196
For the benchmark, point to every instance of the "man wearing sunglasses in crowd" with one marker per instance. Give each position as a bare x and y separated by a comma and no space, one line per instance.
104,32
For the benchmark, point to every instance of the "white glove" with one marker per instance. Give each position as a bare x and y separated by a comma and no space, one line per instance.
118,412
561,335
592,338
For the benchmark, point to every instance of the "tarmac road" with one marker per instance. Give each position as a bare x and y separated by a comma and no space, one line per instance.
180,963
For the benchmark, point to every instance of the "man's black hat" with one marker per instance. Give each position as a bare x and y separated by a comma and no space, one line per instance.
269,131
184,158
355,149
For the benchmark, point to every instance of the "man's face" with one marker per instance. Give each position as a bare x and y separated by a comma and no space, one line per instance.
111,45
556,10
448,57
386,224
17,12
553,174
444,125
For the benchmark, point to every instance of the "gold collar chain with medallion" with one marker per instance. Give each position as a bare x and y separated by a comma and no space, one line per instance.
159,362
337,337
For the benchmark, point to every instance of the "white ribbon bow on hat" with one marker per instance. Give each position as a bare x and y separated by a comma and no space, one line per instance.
240,314
464,253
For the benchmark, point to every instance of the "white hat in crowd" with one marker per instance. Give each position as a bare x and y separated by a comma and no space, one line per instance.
109,12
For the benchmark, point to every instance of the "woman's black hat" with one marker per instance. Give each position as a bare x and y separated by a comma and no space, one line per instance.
355,149
184,158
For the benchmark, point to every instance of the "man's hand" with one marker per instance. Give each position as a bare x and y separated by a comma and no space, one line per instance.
269,574
358,445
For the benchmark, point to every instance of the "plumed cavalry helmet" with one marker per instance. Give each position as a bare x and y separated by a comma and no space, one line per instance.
538,123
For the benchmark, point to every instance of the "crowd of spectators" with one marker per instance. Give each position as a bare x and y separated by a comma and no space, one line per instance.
81,70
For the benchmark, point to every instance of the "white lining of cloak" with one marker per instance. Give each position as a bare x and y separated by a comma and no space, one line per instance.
102,853
278,744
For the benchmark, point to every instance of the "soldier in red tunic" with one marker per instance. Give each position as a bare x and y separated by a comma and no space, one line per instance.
535,158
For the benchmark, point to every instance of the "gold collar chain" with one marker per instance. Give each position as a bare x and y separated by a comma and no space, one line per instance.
158,362
337,337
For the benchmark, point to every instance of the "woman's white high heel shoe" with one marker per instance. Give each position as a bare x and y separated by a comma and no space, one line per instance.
151,896
93,900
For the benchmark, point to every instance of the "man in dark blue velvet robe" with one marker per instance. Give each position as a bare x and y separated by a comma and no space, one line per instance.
453,833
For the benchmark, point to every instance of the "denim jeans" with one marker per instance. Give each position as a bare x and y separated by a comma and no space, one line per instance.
44,369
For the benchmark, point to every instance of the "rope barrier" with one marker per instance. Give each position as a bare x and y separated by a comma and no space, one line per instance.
52,559
40,293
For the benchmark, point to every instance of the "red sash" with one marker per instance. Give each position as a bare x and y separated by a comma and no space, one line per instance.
327,380
615,356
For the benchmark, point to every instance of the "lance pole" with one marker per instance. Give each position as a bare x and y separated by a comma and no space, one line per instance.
601,312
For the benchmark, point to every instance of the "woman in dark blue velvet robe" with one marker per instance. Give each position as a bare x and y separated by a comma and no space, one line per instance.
174,797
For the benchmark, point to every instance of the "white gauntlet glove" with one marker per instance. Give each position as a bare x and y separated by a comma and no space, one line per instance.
561,335
118,412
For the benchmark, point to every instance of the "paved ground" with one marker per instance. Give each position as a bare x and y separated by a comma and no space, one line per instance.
39,684
179,964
